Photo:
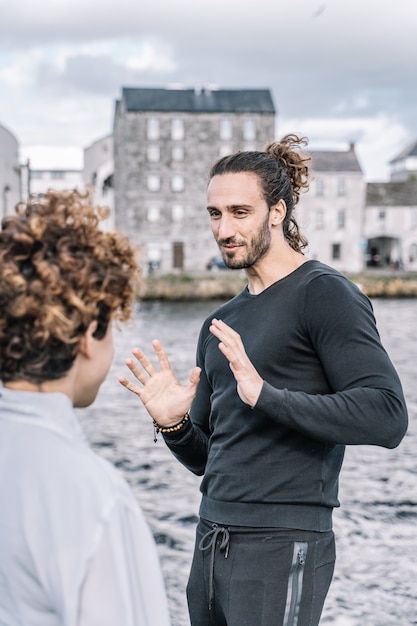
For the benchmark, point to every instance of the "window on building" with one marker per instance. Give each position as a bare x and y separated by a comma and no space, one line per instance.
177,182
381,215
226,129
412,255
249,129
319,187
107,184
177,212
154,182
153,213
36,174
319,219
177,153
341,187
177,129
178,255
336,251
57,175
152,129
153,153
341,218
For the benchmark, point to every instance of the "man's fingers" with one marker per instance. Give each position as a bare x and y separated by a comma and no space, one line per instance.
195,376
143,360
161,355
129,385
225,334
136,371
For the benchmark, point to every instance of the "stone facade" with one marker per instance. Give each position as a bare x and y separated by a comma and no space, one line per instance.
164,144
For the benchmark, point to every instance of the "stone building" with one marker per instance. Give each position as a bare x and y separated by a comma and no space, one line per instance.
165,141
331,213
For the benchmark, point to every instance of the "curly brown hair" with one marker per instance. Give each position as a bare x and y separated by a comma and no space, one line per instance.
283,169
58,273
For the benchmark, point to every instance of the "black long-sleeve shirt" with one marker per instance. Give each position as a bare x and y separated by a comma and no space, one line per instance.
328,382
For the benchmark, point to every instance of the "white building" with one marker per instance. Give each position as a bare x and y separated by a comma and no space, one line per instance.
98,175
40,180
331,213
391,224
10,192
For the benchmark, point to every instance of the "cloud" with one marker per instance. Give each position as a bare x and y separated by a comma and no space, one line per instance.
347,62
155,56
94,69
18,72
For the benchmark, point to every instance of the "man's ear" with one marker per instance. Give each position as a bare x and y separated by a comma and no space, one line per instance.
85,346
277,213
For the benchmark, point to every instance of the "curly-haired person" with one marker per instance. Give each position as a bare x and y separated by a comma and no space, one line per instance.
75,549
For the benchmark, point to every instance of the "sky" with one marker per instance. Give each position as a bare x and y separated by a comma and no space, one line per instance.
339,71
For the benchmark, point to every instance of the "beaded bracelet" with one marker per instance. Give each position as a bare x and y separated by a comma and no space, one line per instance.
169,429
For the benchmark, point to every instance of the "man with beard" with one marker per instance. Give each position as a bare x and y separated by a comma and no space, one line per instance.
288,373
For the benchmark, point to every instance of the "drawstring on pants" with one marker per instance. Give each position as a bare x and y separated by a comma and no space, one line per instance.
212,536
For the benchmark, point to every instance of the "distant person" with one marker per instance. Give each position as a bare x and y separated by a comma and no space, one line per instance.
75,549
288,372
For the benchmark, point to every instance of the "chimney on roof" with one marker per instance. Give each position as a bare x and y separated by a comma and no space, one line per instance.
352,146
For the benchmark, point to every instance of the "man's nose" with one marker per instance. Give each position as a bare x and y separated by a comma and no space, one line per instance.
226,227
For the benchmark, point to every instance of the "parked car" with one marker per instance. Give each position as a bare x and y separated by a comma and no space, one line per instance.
216,263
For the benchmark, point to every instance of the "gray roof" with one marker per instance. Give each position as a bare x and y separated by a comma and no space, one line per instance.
401,193
410,150
335,160
198,100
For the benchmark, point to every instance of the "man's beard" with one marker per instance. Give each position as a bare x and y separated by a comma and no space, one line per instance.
258,247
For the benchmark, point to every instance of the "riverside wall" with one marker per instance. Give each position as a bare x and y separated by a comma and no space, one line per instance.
225,284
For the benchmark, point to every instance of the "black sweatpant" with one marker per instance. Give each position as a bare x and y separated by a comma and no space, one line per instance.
259,577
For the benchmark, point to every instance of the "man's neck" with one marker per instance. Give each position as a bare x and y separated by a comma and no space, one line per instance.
267,272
